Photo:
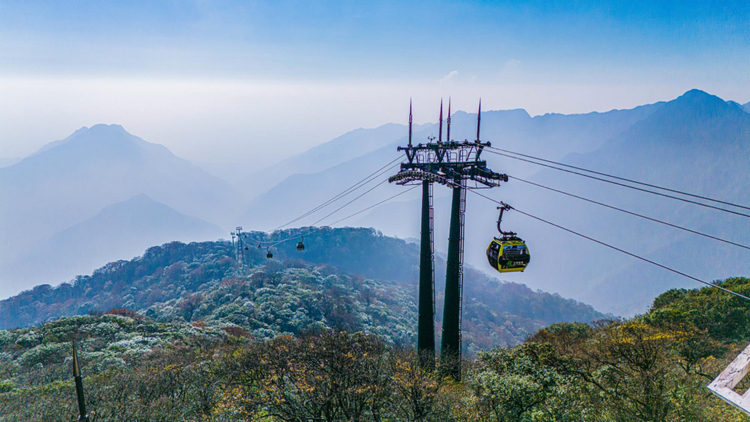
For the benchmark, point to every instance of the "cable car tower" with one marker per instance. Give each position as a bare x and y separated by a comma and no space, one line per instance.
459,166
239,254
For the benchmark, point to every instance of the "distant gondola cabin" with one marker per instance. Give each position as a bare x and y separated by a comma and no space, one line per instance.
508,254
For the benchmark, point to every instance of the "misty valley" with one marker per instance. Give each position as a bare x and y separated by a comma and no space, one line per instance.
317,309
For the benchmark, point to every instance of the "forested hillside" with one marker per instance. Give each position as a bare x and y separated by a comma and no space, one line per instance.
651,368
350,279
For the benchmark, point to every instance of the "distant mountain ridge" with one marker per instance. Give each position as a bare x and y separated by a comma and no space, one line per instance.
343,148
506,128
8,161
71,180
697,142
119,231
72,136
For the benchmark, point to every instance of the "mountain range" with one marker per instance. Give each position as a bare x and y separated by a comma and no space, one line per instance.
343,148
697,143
353,279
121,230
70,181
550,133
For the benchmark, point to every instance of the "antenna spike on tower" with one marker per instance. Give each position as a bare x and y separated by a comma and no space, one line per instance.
409,121
479,117
448,131
440,134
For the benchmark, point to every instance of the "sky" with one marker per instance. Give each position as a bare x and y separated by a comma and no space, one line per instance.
245,82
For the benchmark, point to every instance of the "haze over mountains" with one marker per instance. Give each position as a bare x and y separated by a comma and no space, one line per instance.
5,162
552,135
343,148
120,230
71,180
58,198
697,143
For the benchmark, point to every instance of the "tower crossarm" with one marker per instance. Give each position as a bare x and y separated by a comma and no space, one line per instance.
405,177
485,176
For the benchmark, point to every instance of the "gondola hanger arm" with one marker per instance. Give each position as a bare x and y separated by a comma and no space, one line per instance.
503,208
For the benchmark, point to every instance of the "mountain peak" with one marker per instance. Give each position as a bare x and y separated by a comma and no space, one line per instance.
105,128
97,131
101,131
700,105
696,97
697,93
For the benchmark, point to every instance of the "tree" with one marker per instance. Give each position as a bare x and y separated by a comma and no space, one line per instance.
332,376
514,384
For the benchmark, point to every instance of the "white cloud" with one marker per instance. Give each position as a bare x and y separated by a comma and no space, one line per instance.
449,77
512,64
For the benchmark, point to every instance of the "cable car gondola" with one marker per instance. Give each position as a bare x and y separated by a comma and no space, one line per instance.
508,253
300,244
269,254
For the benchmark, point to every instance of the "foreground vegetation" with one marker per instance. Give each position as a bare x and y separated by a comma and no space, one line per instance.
652,368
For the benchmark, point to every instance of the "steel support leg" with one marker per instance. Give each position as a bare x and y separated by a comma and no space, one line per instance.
426,329
450,352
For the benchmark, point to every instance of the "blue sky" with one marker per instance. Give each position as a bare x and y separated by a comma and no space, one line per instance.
180,72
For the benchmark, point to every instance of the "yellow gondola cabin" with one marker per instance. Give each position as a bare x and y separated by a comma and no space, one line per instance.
509,253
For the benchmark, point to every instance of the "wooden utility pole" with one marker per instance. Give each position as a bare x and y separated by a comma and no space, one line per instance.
83,416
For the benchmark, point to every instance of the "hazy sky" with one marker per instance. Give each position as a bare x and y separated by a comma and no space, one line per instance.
243,80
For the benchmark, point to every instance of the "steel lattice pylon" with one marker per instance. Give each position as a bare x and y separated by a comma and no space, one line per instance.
457,165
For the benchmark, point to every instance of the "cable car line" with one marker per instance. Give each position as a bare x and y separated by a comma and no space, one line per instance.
616,248
361,195
352,188
631,213
374,205
274,243
624,185
622,178
372,176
